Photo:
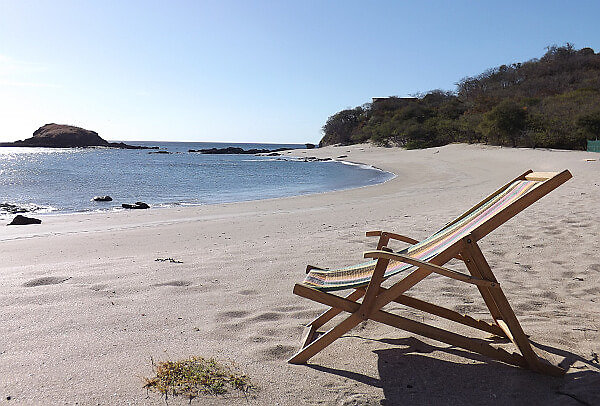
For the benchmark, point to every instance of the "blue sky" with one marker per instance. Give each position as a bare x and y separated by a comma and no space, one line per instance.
252,71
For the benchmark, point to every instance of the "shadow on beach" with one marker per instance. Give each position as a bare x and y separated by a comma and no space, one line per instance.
410,375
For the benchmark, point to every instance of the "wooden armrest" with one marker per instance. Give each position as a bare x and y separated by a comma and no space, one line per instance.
311,267
430,267
540,176
393,236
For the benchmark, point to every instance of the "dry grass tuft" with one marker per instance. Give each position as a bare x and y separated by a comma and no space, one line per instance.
196,377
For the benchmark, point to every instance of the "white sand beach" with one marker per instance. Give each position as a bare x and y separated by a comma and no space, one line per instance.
85,306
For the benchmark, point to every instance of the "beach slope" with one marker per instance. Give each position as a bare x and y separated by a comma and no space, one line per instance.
89,301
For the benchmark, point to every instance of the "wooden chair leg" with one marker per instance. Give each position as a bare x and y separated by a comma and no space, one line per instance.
323,341
313,346
311,332
331,313
505,316
475,271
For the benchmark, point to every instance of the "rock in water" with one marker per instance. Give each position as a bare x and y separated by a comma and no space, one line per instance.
102,199
137,205
235,150
67,136
12,208
64,136
22,221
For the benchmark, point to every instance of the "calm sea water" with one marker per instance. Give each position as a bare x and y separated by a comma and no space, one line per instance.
64,180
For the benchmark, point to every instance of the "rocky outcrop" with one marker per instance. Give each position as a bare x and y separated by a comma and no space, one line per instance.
235,150
68,136
12,208
22,221
102,199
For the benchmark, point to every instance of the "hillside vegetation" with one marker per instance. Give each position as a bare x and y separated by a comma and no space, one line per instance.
551,102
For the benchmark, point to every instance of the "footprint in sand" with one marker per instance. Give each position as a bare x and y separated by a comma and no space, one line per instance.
258,339
288,309
530,305
304,314
234,314
497,252
268,316
568,274
46,280
592,291
550,295
277,352
174,283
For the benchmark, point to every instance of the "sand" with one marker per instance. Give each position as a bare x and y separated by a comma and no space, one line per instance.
85,306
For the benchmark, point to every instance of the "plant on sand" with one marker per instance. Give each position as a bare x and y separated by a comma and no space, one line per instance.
196,376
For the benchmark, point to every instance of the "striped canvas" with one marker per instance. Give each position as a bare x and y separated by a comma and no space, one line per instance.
360,275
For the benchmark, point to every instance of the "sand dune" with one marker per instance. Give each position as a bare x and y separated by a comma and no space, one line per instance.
85,306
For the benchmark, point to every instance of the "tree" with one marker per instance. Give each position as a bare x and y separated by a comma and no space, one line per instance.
507,120
339,127
549,102
590,123
554,52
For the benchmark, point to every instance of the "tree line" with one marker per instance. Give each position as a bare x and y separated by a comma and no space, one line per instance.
550,102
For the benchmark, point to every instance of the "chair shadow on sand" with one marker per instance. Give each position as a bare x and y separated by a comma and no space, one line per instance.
409,375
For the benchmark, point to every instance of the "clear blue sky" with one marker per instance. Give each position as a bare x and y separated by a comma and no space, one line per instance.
252,71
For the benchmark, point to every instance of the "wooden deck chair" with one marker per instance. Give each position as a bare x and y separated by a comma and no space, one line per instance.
458,239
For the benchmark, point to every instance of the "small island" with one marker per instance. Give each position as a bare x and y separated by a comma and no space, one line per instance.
68,136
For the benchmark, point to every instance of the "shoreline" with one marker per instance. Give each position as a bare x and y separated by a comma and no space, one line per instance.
290,156
87,305
171,211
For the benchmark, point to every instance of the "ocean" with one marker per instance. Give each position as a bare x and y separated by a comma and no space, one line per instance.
52,180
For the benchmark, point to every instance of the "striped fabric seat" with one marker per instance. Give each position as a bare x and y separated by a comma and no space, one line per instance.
360,275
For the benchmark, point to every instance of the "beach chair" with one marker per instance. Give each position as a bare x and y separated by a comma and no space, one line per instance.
458,239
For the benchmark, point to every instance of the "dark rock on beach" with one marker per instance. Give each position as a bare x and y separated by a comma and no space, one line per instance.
22,220
67,136
102,199
310,146
315,159
137,205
